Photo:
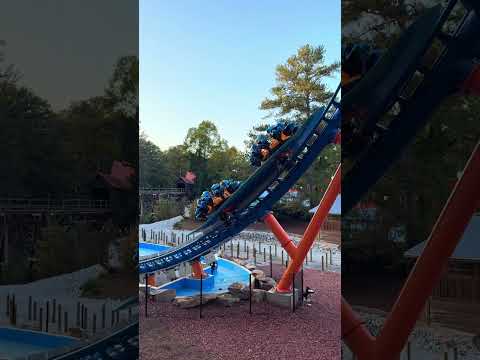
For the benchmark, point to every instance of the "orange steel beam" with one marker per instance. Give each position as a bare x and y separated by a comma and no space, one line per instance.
197,270
280,234
427,271
311,232
355,334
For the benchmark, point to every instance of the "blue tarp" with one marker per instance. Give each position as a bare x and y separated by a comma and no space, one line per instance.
336,207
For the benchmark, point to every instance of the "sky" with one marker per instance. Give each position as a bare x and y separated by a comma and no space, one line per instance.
66,50
215,60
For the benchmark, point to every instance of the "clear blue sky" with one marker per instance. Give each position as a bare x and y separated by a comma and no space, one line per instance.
215,60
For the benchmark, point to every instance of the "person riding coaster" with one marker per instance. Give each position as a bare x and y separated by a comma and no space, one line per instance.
357,60
210,200
265,145
204,206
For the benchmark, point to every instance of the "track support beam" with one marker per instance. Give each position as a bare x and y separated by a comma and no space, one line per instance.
311,232
280,234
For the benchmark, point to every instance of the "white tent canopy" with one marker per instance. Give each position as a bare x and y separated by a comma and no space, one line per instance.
336,207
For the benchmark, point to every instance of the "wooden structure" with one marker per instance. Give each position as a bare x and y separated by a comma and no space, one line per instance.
456,299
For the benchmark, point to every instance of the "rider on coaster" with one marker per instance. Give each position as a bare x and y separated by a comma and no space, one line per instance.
260,150
280,132
357,60
204,206
230,187
264,146
210,200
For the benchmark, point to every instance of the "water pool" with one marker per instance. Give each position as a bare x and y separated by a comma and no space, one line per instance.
16,342
147,249
227,273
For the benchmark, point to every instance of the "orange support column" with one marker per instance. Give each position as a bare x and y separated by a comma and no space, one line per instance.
472,84
151,280
197,270
355,335
446,234
311,232
280,234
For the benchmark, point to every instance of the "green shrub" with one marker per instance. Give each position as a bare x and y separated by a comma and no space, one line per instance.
291,210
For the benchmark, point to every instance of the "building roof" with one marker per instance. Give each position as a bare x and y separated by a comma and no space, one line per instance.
336,207
468,249
189,177
120,175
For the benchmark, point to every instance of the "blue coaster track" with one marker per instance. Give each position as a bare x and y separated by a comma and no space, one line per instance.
260,192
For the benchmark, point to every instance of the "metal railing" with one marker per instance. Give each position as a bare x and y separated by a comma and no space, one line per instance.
46,204
170,190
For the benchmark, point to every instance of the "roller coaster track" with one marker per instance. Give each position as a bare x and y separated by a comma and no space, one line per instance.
391,77
454,65
260,192
121,345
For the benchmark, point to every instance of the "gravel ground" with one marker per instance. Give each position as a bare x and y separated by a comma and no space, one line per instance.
427,343
231,333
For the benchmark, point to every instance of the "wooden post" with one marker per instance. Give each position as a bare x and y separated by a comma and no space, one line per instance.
54,310
238,250
34,311
59,322
65,322
30,308
78,314
103,316
40,319
254,255
47,316
82,318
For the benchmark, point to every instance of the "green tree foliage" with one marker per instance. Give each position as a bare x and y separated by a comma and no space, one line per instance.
204,140
300,87
204,152
72,144
300,90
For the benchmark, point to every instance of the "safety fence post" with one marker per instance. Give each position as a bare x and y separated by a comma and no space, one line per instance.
250,290
146,295
201,294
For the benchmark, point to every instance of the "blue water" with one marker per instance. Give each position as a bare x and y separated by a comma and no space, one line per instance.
147,249
227,273
16,342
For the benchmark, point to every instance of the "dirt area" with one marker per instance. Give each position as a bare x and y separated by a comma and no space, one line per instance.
112,285
291,226
378,291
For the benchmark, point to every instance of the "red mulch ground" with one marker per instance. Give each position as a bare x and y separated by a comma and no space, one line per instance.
312,332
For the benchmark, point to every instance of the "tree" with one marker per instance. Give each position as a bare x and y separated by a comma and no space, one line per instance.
299,92
204,140
122,90
300,88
